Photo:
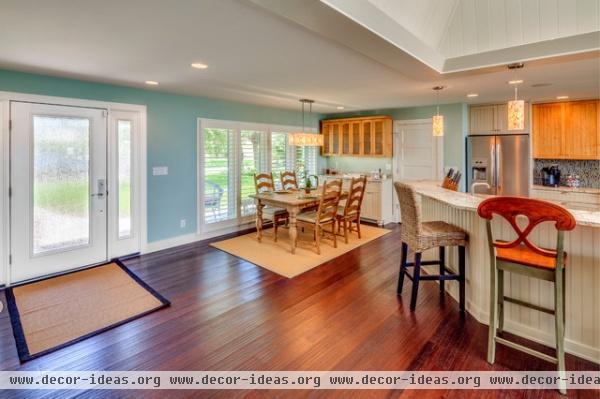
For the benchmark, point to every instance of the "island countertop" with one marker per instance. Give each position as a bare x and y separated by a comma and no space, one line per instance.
464,201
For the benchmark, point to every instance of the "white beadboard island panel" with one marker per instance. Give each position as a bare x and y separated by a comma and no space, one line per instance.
582,272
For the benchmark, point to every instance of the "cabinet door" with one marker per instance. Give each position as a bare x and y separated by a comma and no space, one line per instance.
326,131
378,137
482,119
367,138
548,130
346,139
335,139
356,138
580,136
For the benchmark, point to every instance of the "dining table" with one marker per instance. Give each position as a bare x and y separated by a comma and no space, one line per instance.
294,201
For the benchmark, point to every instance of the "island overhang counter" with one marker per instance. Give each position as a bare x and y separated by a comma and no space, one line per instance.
582,271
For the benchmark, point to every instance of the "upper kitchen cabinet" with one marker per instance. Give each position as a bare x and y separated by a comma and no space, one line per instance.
566,130
493,119
366,136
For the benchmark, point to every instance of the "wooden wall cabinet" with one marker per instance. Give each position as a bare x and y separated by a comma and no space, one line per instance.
493,119
366,137
566,130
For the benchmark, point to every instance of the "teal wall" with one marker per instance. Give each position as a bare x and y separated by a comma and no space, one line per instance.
171,137
455,131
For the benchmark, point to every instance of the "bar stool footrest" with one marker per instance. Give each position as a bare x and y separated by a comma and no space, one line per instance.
529,305
527,350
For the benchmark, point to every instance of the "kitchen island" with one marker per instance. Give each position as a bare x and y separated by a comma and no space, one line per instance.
582,271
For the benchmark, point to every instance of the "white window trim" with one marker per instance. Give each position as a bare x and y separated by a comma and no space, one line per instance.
206,230
5,99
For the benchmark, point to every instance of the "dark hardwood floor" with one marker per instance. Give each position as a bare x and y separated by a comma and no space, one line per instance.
228,314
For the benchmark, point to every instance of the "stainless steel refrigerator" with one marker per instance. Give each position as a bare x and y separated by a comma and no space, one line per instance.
501,161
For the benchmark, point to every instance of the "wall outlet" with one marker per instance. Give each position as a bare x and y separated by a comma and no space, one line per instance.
160,170
182,223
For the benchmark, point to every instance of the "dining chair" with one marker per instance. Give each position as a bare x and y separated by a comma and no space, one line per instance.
350,212
263,182
523,257
288,180
325,214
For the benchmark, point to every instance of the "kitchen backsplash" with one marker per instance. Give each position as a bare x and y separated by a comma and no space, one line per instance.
588,171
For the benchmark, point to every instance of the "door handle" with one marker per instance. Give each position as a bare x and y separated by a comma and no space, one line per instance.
498,165
101,188
493,165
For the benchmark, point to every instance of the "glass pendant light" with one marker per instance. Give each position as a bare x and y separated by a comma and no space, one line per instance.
516,113
303,139
438,120
516,107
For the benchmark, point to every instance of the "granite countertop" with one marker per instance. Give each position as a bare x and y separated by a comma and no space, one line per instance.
587,190
469,202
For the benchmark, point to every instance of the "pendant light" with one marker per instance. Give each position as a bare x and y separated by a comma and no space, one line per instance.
516,107
303,139
438,120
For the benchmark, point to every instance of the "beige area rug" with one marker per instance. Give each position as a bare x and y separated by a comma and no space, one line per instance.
276,256
50,314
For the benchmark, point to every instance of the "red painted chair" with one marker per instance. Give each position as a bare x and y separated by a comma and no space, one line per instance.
524,257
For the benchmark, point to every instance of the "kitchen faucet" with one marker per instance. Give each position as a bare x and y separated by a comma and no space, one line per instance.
478,183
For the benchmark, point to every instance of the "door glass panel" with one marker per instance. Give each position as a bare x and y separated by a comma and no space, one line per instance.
252,144
124,149
219,194
61,183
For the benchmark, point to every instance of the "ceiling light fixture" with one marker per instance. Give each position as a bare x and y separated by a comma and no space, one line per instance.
471,95
516,107
199,65
303,139
562,97
151,83
438,120
340,107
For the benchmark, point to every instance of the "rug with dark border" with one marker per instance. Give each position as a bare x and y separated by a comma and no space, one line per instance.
37,326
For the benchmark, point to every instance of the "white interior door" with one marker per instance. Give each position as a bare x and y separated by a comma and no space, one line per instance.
58,202
418,155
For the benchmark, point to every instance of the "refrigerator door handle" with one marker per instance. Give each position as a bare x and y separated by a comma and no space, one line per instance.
493,165
498,165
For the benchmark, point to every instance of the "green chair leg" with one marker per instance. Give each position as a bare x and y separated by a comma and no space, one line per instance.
491,355
559,317
500,300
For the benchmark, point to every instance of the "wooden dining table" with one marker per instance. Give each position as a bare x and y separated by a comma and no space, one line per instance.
294,201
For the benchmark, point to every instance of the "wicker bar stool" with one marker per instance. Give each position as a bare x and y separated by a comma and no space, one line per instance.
420,236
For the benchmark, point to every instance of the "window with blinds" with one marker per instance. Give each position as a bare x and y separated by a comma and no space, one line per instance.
230,154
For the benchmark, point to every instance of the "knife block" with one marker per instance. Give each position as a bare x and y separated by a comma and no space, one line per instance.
449,184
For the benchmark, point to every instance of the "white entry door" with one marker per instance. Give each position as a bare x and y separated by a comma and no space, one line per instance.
58,202
418,155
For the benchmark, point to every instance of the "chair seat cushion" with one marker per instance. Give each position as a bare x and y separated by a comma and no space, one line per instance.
523,255
311,217
269,211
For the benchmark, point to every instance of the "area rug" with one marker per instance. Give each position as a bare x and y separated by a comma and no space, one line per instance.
50,314
276,256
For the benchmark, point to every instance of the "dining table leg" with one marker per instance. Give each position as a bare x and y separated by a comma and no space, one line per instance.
259,220
292,211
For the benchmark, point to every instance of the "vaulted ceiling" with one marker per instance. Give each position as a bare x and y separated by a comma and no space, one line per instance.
357,54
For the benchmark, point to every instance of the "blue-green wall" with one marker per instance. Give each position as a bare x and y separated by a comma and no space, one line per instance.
171,131
455,131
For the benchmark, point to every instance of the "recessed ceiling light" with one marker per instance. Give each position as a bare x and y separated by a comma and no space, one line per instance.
199,65
151,83
562,97
515,82
472,95
340,107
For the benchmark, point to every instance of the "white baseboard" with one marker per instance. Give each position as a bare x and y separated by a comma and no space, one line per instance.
194,237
